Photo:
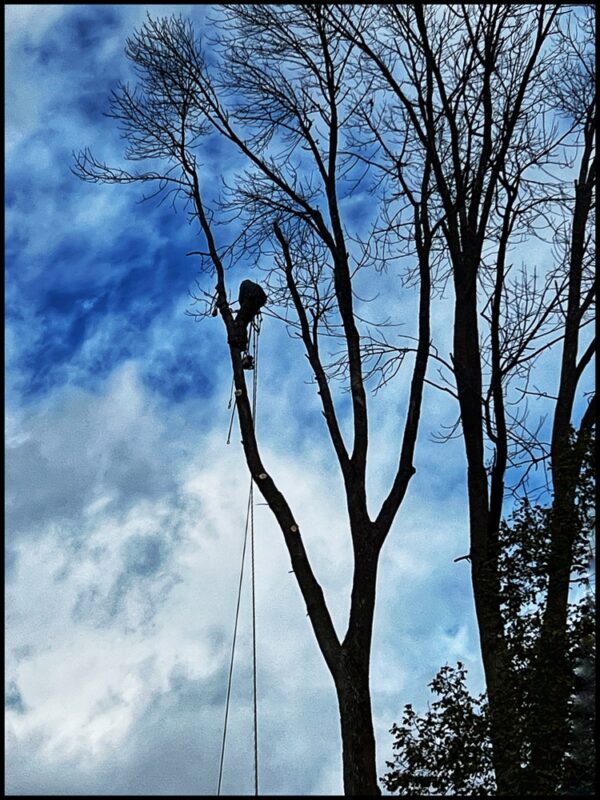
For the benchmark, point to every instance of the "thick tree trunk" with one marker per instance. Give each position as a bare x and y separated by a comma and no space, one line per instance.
506,745
352,674
550,725
484,535
550,728
358,738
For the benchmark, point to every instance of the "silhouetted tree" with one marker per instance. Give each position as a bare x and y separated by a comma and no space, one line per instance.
497,103
470,123
448,750
284,91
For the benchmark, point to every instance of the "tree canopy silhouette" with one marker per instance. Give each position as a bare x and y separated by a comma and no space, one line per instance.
456,127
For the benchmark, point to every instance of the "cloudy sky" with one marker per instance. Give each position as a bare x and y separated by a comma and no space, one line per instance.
126,507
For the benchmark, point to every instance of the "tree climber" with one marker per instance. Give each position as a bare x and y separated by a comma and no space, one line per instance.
251,299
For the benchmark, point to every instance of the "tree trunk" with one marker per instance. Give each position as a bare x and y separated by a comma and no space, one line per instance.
505,736
550,725
358,738
550,719
484,533
352,674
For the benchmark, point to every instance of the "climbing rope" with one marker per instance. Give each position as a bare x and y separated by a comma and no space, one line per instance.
253,582
229,404
249,526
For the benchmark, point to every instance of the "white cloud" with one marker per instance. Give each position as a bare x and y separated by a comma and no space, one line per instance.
25,26
92,672
80,644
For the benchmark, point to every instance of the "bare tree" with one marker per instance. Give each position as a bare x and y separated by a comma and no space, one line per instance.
577,100
287,94
501,104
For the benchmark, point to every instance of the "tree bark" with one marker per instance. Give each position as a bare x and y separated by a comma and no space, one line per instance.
356,719
352,674
484,534
550,719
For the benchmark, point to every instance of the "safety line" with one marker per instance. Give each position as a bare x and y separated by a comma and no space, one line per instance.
249,526
235,627
232,411
255,703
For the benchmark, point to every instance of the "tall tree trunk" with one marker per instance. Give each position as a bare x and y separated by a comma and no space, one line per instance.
358,738
352,673
550,727
553,683
484,534
506,740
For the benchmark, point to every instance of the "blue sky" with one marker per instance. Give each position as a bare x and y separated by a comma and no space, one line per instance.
125,506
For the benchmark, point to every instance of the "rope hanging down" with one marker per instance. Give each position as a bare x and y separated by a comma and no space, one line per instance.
248,527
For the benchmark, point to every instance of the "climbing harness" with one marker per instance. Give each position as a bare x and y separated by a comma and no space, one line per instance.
249,527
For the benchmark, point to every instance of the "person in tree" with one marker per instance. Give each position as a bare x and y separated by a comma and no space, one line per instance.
251,299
